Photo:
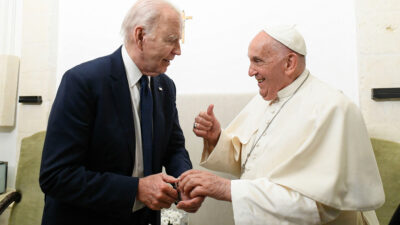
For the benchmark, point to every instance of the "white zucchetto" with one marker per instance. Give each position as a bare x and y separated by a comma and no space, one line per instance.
288,36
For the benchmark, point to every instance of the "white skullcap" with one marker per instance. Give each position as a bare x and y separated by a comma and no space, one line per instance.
288,36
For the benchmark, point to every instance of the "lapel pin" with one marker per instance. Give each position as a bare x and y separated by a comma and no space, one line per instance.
160,88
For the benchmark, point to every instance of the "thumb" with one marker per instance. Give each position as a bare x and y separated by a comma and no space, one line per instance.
210,110
197,191
169,179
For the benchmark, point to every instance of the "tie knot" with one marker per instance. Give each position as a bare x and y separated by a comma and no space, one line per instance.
144,81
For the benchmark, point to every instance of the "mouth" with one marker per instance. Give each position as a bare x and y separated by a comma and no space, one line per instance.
167,60
260,80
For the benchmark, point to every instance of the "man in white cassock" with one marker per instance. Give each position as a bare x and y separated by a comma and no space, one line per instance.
300,147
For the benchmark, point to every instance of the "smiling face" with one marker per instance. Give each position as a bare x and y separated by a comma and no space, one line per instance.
268,65
161,46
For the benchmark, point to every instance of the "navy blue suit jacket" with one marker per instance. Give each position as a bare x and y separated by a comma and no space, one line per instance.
89,151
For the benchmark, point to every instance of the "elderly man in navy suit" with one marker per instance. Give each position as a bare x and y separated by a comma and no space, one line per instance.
114,125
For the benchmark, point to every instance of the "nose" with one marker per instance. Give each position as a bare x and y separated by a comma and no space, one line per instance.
177,49
252,71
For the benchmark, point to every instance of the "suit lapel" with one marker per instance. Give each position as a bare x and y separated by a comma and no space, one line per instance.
122,100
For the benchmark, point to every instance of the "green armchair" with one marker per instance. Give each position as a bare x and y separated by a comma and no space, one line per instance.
10,198
387,155
28,197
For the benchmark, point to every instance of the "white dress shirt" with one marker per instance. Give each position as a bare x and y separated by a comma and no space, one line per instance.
133,74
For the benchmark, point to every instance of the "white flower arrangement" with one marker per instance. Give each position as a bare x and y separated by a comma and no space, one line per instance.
173,217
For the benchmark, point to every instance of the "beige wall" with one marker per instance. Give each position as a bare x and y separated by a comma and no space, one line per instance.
378,34
37,69
38,63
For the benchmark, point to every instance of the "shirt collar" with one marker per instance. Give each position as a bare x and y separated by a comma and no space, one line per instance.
132,71
292,87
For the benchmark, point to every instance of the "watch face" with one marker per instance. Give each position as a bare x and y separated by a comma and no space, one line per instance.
3,177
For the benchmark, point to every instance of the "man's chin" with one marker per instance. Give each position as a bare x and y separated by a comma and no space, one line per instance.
263,94
163,70
156,73
267,97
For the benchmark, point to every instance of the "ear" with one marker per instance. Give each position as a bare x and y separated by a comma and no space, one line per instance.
139,36
291,63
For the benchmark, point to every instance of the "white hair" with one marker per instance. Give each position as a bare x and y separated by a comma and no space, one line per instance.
144,13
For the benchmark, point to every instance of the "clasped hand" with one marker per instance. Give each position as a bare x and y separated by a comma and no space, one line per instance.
156,193
195,183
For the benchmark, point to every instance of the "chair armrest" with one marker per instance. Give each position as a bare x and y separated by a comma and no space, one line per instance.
8,199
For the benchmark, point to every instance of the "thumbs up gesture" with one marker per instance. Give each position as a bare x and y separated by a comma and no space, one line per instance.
207,126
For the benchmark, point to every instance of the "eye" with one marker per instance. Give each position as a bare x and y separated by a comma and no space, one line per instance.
172,39
256,60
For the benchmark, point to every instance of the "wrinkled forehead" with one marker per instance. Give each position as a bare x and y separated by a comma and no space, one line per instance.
170,19
170,15
261,45
169,25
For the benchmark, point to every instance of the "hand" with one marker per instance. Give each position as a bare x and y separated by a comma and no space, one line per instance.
190,205
194,183
156,192
207,126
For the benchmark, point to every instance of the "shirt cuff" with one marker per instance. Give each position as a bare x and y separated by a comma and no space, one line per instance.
222,157
223,143
137,205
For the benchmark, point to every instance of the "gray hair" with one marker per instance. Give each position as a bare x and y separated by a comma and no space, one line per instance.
144,13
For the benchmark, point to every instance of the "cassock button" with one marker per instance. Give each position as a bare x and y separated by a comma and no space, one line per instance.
160,88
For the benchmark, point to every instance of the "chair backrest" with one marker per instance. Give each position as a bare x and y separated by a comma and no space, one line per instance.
30,209
387,155
226,107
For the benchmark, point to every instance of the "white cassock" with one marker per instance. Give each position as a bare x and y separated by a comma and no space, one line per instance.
313,162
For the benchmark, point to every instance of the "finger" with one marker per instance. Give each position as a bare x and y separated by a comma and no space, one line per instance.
165,198
168,179
200,126
203,121
183,206
210,110
170,192
190,210
190,184
157,203
183,184
200,133
186,173
184,177
206,117
191,205
162,204
198,191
